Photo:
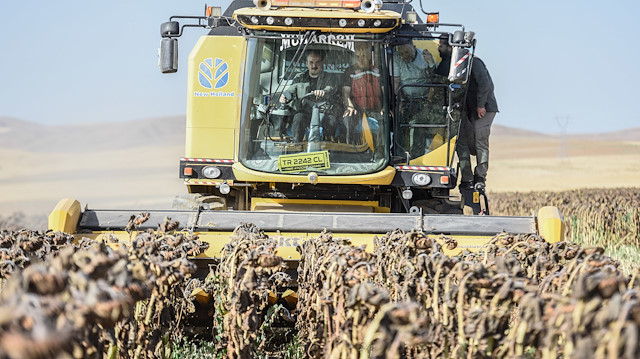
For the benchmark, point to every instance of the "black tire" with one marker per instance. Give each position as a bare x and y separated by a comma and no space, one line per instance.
169,29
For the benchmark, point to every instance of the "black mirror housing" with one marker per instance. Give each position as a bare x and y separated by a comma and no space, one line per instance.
168,55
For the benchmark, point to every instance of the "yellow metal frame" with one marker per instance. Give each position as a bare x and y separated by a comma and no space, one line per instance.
287,242
384,177
66,214
551,226
437,157
283,202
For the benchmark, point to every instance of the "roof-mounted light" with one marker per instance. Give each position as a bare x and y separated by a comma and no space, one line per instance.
351,4
412,17
433,18
258,19
213,11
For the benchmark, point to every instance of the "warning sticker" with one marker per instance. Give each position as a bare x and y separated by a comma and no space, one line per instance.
302,161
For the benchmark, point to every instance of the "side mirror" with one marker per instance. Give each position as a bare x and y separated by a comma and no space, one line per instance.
168,52
168,55
461,57
459,69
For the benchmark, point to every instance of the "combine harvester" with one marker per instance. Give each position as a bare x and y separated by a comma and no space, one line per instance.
357,177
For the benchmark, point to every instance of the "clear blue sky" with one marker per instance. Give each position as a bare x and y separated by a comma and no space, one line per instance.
84,61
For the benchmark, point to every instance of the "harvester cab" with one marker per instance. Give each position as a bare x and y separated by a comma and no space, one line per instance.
392,142
311,115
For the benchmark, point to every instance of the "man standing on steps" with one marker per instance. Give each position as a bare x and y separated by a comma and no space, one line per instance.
481,108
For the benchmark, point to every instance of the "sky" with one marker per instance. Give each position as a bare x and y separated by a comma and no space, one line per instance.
555,64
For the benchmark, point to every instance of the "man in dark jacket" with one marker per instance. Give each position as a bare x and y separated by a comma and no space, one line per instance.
481,108
323,85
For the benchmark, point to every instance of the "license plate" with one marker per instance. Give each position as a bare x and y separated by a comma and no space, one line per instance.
302,161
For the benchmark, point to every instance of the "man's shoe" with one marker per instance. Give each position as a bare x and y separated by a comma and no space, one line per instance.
479,183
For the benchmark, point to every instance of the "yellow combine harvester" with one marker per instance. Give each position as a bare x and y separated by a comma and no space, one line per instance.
362,155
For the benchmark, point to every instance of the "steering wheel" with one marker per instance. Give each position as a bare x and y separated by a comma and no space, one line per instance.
311,99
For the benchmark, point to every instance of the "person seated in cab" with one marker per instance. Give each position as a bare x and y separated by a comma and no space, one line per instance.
361,93
414,66
322,85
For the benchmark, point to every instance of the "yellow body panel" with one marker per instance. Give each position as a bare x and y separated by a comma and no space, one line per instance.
431,46
384,177
65,216
310,205
550,224
214,93
437,157
218,143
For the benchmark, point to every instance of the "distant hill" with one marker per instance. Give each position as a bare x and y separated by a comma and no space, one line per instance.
631,134
500,131
24,135
170,131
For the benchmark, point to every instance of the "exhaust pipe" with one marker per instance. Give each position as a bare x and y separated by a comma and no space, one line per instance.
262,4
370,6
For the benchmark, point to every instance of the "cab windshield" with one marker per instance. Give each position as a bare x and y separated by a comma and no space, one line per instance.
315,104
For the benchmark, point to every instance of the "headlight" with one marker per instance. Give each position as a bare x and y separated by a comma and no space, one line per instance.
225,188
421,179
211,172
407,194
288,21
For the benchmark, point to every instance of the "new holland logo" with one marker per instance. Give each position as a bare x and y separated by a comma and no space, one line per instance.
213,74
220,79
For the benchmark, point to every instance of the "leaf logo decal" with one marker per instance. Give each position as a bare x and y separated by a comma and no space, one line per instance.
206,70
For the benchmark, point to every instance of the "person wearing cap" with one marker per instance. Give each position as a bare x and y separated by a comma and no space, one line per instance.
481,108
413,66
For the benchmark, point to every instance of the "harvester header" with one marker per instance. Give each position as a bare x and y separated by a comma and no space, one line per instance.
312,115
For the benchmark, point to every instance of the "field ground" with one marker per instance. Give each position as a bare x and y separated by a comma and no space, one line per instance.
141,178
33,180
532,164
